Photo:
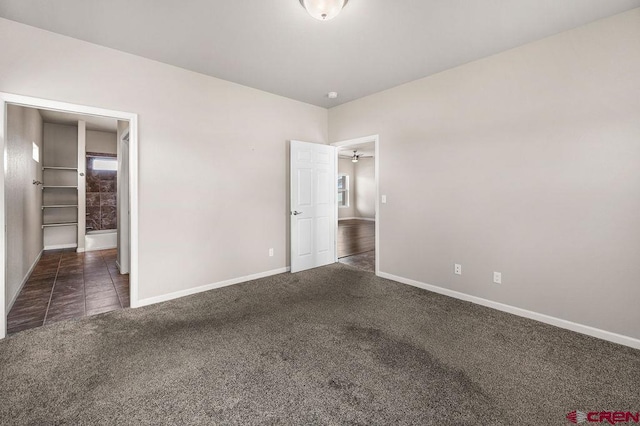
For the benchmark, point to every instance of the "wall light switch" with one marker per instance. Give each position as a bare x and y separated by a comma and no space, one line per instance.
270,252
497,277
457,269
384,199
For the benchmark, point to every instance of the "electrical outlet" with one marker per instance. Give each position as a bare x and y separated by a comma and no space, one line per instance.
457,269
270,252
497,277
384,199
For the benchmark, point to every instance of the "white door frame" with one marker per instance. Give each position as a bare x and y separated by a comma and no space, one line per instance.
349,142
124,200
31,102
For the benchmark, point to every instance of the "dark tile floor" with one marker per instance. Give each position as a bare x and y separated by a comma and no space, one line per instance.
365,261
65,284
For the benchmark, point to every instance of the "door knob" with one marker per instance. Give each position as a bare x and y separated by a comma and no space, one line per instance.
296,213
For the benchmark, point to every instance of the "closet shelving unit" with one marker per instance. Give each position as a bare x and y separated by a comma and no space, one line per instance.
46,207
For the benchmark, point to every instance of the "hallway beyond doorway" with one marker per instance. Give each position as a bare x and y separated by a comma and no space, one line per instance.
356,243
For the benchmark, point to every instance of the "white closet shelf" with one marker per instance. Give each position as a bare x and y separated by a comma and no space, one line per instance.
58,168
60,206
51,225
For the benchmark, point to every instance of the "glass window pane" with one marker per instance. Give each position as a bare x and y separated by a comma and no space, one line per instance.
105,164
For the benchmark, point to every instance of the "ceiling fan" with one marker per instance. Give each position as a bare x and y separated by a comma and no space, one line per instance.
355,157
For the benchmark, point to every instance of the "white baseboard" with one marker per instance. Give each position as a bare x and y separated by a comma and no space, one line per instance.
207,287
558,322
120,268
60,246
24,281
357,218
107,247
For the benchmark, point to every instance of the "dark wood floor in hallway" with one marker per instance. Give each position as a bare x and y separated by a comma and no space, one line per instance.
357,243
65,285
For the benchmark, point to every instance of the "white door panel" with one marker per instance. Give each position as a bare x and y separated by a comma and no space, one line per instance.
324,231
325,189
324,157
305,187
305,156
313,192
305,236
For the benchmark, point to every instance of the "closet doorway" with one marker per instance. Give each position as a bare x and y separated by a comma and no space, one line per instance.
66,203
357,188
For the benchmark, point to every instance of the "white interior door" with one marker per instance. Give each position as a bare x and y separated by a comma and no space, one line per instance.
313,205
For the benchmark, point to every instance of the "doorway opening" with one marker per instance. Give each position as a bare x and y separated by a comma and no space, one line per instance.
357,203
70,212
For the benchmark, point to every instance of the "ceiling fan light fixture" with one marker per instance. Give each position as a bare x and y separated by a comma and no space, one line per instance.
355,157
323,10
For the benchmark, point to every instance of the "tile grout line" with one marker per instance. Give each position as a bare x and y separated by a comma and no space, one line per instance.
112,283
55,280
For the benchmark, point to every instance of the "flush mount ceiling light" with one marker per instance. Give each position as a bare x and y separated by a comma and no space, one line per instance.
323,10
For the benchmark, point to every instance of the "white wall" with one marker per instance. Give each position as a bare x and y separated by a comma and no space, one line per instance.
346,166
102,142
61,149
364,184
200,220
527,163
22,197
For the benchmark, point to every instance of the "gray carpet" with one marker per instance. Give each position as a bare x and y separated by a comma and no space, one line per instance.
330,346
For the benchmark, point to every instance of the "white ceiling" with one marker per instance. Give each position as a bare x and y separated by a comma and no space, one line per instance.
102,124
274,45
